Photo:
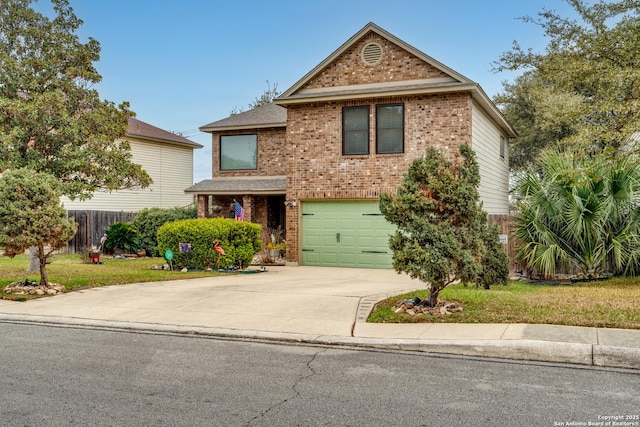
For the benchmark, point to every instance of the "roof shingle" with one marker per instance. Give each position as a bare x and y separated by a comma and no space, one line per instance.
241,185
268,115
140,129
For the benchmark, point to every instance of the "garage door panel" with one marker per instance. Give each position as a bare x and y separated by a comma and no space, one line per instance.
310,257
374,260
329,257
346,234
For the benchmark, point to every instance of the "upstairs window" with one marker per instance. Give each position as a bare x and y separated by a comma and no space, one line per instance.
355,130
503,147
238,152
390,128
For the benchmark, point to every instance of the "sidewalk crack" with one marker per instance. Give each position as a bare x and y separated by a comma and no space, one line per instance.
301,378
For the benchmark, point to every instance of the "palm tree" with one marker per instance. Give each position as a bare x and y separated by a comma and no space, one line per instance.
579,212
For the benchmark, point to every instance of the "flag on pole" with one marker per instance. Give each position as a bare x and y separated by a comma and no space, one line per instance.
239,211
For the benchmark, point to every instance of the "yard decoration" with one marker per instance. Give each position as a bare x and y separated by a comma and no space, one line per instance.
168,255
219,250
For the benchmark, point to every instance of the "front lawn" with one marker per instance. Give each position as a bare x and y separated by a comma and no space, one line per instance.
614,303
69,271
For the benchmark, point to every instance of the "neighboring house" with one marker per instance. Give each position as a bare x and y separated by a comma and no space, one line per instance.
166,157
316,161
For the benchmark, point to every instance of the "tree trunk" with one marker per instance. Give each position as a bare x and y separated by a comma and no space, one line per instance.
34,257
433,296
44,279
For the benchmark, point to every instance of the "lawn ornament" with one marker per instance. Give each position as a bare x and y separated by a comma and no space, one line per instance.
219,250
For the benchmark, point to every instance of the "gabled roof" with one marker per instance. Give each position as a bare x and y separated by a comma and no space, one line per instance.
264,116
142,130
456,82
371,27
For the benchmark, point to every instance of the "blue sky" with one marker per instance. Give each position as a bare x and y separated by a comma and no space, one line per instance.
185,63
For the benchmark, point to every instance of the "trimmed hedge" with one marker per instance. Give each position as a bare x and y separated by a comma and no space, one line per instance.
240,241
148,220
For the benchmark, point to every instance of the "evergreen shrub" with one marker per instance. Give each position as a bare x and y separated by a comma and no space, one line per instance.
148,221
240,241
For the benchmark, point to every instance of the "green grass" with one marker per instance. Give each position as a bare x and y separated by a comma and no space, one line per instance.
614,303
69,271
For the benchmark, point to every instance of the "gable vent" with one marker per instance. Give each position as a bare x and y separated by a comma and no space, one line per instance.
372,53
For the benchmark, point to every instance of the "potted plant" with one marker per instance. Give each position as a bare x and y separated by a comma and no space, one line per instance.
276,250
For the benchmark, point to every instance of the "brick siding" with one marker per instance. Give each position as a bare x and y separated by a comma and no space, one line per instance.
317,168
396,65
271,153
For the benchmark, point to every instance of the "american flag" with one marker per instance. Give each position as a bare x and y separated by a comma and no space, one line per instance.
239,211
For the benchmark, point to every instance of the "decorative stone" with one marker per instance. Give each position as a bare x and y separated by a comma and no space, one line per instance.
418,306
32,288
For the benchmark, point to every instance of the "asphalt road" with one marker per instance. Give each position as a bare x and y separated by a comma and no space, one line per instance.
53,376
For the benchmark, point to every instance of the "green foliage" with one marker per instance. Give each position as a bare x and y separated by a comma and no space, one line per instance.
31,216
583,90
495,262
580,212
51,120
240,241
541,118
441,226
122,236
148,221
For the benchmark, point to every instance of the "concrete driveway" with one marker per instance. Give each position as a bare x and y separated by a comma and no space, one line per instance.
309,300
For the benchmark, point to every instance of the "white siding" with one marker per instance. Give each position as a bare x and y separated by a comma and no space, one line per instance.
170,167
494,170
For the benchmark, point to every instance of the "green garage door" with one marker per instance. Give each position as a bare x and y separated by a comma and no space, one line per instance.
345,234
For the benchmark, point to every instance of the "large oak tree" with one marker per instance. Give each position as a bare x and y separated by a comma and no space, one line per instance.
51,118
583,91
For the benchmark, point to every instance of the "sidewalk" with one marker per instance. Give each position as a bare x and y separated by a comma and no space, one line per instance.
320,306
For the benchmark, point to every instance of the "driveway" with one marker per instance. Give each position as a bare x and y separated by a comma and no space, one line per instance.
309,300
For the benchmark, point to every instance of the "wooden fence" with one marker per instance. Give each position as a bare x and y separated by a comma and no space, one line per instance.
509,242
91,227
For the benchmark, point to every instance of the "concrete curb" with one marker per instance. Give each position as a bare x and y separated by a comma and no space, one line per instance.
522,350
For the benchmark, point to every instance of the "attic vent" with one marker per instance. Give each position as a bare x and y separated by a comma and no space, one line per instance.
372,53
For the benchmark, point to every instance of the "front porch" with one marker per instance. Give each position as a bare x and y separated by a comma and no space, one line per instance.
263,200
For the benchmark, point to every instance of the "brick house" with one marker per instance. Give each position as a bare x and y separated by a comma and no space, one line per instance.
316,160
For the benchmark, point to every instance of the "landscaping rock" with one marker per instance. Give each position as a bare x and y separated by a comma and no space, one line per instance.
417,306
32,288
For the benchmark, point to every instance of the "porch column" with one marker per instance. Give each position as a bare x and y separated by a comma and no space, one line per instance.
203,205
247,204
